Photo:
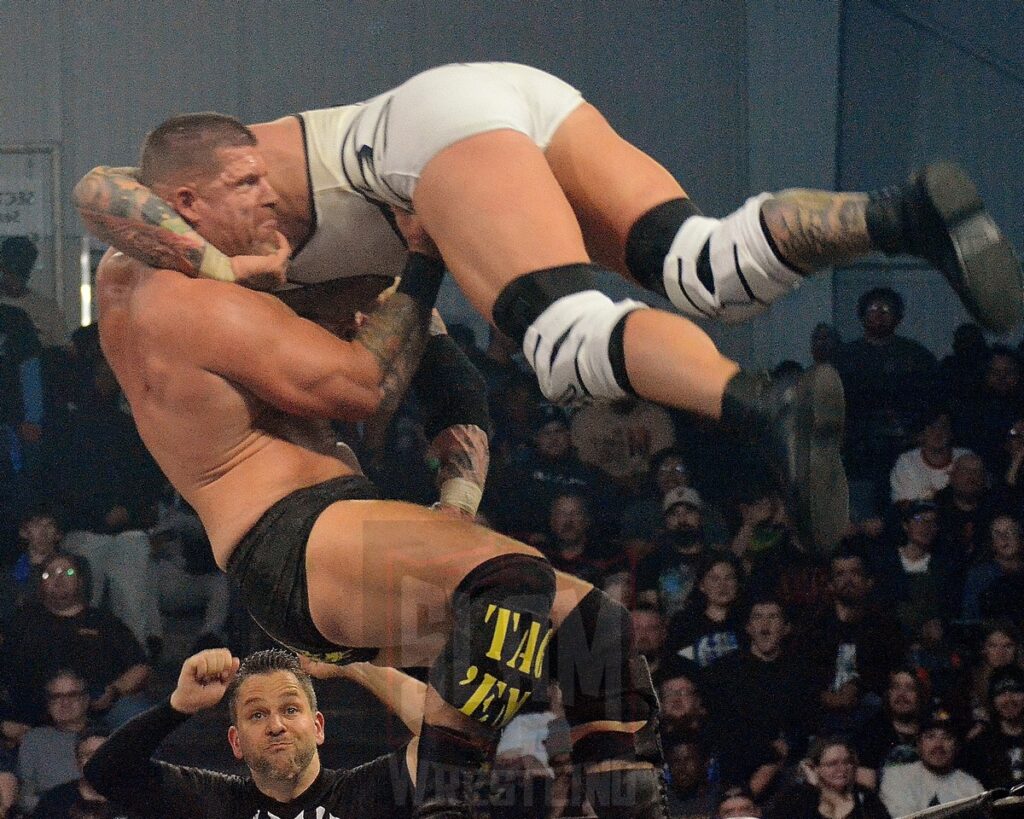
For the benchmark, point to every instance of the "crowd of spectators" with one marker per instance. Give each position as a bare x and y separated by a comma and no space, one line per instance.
878,680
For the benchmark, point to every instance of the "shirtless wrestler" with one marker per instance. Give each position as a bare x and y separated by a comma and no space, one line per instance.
526,189
229,389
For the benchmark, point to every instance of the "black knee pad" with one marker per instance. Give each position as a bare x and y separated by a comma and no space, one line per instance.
601,675
500,636
651,237
523,299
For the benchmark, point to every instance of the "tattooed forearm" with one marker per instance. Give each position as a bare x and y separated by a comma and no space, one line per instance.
395,334
815,229
126,214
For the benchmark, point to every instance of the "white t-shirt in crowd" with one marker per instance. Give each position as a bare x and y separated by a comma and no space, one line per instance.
914,479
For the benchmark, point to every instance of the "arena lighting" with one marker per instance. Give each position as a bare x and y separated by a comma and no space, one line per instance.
85,283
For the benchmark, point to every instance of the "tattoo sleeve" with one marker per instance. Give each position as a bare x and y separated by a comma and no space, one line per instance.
124,213
395,333
814,229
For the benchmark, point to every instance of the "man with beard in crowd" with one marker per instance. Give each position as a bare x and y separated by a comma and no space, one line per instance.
665,577
890,736
934,779
996,755
853,646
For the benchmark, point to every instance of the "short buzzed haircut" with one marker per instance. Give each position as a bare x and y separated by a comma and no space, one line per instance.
269,661
187,144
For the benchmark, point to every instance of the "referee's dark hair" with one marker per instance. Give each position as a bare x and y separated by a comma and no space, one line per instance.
269,661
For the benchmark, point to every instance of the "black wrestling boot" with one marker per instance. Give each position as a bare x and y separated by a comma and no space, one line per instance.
938,215
797,423
449,774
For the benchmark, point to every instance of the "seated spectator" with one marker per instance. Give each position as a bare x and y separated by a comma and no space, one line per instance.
61,631
983,417
963,370
964,511
737,805
665,578
830,790
758,703
919,473
998,649
936,659
682,707
709,626
108,485
571,546
642,519
994,588
934,779
689,792
996,755
521,495
889,737
852,646
39,535
78,799
649,635
915,577
1008,492
46,756
18,256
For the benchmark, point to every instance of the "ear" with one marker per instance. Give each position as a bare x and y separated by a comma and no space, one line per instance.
183,199
236,747
318,722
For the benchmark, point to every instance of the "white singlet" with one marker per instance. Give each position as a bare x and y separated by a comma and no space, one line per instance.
368,155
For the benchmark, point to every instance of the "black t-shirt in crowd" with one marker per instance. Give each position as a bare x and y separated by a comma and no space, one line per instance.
695,636
123,770
995,758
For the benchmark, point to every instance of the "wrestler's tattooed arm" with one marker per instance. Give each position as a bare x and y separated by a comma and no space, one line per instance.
463,455
118,209
395,333
814,229
124,213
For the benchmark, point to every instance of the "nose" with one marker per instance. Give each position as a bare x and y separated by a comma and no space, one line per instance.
268,196
275,725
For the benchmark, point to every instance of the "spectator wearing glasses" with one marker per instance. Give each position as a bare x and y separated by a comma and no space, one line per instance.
830,790
995,588
915,577
641,519
46,757
61,631
888,378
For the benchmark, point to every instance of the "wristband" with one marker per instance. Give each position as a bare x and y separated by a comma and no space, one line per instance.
421,279
216,265
461,494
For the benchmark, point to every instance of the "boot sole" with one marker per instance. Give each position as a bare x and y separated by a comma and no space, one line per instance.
987,276
823,499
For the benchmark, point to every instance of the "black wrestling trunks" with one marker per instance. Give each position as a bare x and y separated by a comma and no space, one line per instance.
269,565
